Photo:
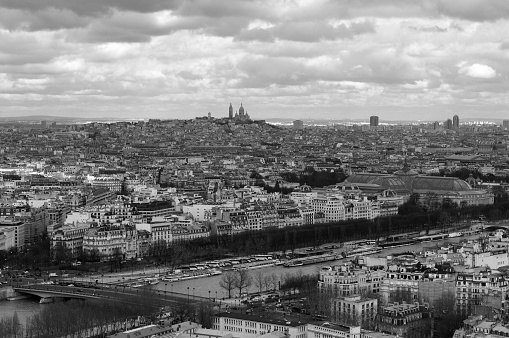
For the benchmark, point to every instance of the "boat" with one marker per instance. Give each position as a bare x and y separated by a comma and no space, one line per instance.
364,251
151,281
396,243
435,237
20,297
310,260
46,300
455,234
293,263
137,285
257,264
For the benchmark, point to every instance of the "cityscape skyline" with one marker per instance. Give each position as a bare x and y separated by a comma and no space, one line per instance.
182,59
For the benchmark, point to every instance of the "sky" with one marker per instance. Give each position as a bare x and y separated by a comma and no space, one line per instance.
337,59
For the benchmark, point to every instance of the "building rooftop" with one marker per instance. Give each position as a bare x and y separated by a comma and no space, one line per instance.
268,317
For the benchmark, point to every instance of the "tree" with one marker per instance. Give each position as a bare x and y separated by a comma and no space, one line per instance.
259,280
63,255
446,317
431,201
444,219
243,280
94,255
255,175
227,282
205,314
271,282
116,259
320,302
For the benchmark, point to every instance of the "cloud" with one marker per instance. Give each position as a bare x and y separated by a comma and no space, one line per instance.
92,8
255,34
478,71
47,19
306,31
475,10
319,31
295,55
187,75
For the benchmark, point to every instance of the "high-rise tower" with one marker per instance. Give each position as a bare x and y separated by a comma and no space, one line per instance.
455,121
230,111
373,121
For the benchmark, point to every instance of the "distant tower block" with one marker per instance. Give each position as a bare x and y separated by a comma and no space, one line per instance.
448,124
373,121
455,122
230,111
298,125
505,124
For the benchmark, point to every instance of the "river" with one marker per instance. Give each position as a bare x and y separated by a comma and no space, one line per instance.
209,286
23,307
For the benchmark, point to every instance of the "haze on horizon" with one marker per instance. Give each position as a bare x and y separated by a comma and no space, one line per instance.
398,59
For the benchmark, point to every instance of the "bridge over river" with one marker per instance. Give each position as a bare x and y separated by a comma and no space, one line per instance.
48,293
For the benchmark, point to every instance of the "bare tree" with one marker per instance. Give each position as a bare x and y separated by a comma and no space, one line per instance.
259,280
271,282
243,280
227,282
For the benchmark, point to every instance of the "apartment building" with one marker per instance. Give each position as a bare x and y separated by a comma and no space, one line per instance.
245,323
332,207
406,320
70,237
112,240
354,310
344,280
474,284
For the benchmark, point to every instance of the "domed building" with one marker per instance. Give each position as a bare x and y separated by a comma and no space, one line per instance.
406,182
452,188
407,175
241,115
377,183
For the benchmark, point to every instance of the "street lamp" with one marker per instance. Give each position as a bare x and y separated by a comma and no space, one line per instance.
188,295
209,296
165,285
193,293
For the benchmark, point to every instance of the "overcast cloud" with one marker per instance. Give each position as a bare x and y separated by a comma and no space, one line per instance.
412,59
